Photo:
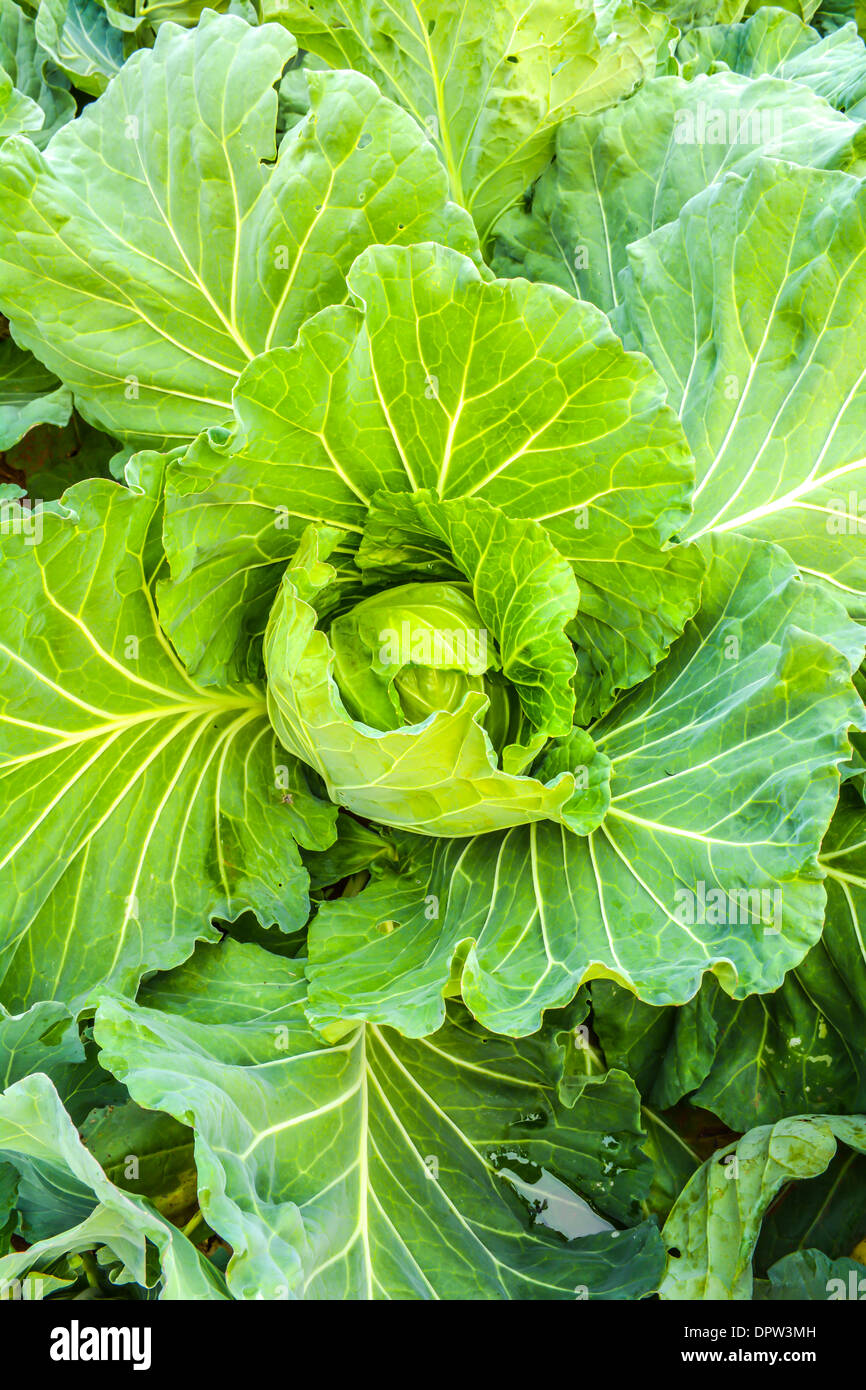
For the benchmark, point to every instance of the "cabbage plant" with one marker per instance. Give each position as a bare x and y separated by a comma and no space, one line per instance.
432,722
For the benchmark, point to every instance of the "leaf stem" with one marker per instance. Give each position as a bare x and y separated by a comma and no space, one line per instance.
193,1223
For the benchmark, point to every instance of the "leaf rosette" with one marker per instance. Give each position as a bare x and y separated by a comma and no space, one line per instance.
423,704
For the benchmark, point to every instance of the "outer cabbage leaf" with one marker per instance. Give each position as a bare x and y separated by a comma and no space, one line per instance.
854,772
688,13
156,301
673,1158
826,1212
669,1051
671,1152
357,846
647,31
38,1138
774,43
757,1059
24,1041
507,392
812,1275
724,773
33,74
382,1167
137,804
49,1204
750,306
81,41
8,1197
716,1221
29,394
832,14
18,112
489,84
620,175
494,915
143,17
805,1045
44,1039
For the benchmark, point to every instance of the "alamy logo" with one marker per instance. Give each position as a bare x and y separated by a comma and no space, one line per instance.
846,516
30,1288
465,648
728,907
717,125
855,1288
76,1343
22,517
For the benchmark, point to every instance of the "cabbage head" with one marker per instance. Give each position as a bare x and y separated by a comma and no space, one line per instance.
437,705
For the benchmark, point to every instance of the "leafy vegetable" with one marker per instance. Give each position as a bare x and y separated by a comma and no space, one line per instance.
29,394
528,68
359,1189
432,682
618,177
804,497
554,908
486,391
189,295
712,1231
810,1274
39,1138
170,788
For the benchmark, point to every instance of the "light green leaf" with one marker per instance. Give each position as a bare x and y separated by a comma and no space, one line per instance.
380,1167
29,394
724,778
81,41
38,1138
158,301
436,777
804,8
137,804
145,16
524,589
44,1039
493,916
18,112
713,1229
688,13
620,175
643,28
36,1040
761,355
757,1059
32,72
774,43
489,84
507,392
